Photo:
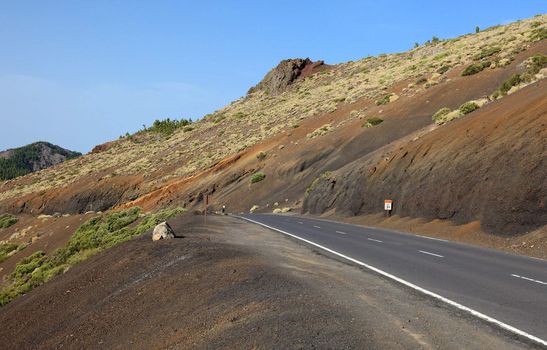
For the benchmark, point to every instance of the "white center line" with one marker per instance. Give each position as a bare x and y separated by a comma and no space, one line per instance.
341,232
300,222
375,240
429,253
529,279
316,226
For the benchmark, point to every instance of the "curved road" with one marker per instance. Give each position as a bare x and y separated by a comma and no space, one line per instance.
509,290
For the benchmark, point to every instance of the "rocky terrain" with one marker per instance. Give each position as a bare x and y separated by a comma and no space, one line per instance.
453,131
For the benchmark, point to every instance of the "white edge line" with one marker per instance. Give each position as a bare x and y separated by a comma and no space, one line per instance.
429,253
529,279
413,286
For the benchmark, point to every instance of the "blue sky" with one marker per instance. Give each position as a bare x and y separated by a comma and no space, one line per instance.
79,73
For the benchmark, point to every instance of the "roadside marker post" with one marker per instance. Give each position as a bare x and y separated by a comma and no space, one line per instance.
388,206
206,205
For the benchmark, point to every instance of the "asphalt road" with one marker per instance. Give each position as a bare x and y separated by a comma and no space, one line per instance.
509,289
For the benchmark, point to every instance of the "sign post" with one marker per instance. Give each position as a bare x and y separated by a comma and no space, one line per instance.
388,206
206,205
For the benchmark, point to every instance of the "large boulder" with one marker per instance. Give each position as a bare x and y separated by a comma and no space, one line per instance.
162,231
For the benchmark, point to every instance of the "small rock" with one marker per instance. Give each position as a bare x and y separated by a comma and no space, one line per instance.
254,208
163,231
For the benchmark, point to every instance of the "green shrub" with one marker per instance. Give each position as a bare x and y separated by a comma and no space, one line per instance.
372,122
443,69
514,80
384,100
240,115
537,63
257,177
475,68
168,126
95,235
539,33
487,52
468,107
7,220
6,249
261,155
440,113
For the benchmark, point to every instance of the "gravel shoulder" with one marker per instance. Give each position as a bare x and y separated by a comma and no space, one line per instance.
230,284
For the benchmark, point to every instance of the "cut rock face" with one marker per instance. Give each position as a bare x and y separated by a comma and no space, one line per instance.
162,231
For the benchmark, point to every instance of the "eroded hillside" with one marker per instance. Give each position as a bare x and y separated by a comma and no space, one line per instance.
335,139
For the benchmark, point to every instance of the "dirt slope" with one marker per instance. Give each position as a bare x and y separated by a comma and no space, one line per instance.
231,285
489,166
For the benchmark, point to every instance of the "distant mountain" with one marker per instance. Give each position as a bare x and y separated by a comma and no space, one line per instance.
27,159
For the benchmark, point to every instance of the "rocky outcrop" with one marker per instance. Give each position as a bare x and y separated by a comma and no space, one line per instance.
287,71
162,231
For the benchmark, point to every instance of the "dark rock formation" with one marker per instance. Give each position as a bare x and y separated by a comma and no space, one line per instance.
287,71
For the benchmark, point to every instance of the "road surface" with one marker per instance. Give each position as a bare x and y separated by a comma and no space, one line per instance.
501,288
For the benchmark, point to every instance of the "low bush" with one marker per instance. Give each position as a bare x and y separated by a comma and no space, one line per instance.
476,68
440,114
7,220
487,52
443,69
468,107
257,177
95,235
7,249
320,131
384,100
372,122
539,33
261,155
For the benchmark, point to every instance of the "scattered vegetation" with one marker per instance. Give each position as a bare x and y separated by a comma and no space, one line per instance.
95,235
476,68
440,114
373,121
468,107
7,220
257,177
167,126
533,65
